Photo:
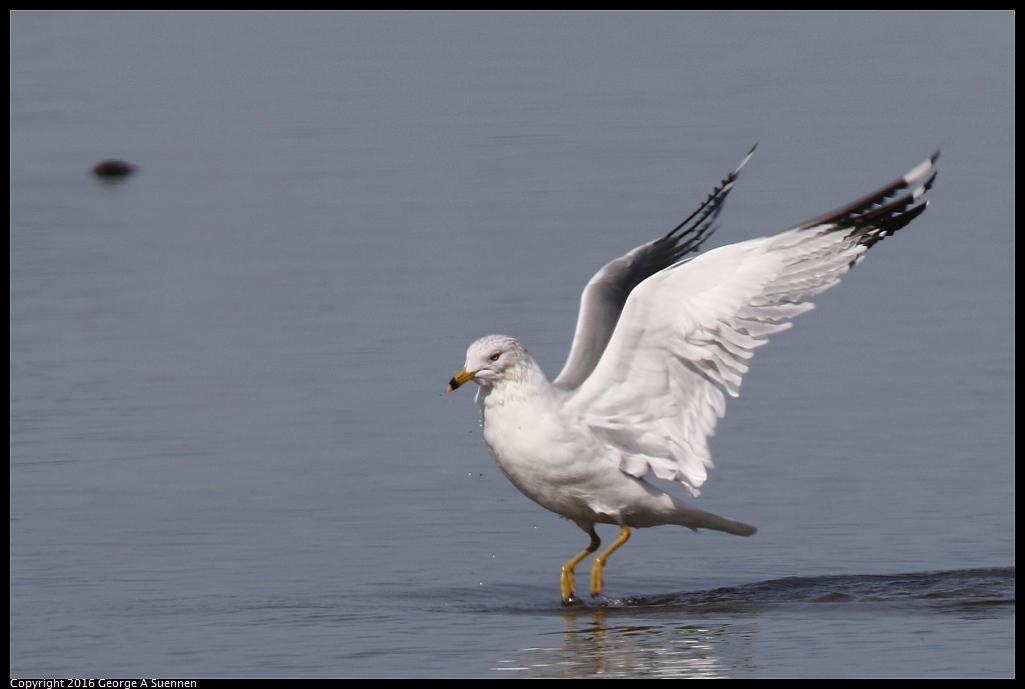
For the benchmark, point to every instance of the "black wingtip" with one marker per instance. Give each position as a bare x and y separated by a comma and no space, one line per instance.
744,162
699,222
929,182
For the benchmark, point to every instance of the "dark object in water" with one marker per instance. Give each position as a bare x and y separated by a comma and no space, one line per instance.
113,169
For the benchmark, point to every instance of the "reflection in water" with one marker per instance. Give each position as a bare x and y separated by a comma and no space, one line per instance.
596,643
631,637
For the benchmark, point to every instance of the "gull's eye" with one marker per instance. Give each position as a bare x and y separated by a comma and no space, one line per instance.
494,357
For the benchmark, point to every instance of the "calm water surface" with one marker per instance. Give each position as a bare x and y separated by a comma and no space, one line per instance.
231,453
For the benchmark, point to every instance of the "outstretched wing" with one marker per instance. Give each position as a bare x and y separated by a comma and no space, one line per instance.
606,293
687,332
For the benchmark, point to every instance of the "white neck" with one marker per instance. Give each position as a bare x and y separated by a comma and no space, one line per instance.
525,380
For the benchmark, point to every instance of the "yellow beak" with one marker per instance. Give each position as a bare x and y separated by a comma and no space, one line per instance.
460,378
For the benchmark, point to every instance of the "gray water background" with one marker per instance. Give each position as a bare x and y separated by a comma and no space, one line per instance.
231,453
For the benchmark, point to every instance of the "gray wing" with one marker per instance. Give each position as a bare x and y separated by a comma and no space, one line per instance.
605,295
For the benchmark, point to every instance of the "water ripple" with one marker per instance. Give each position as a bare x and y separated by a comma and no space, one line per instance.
977,592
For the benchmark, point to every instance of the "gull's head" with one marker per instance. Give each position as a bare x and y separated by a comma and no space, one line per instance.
490,360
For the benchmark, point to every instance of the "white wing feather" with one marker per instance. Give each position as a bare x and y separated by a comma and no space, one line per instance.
687,333
606,293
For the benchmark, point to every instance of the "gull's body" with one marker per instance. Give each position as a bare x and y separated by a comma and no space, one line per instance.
546,449
658,340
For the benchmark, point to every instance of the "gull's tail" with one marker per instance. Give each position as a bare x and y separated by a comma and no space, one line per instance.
695,519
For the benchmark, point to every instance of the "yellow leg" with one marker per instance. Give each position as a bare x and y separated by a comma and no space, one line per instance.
566,581
599,562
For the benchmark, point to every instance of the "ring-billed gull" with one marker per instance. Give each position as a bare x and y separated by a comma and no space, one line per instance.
658,340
